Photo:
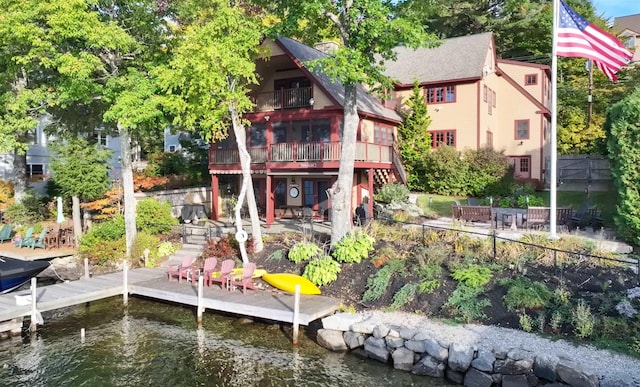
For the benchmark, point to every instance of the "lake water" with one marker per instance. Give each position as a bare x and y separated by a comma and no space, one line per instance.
155,344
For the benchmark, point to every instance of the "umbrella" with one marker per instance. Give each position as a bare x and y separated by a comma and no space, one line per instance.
60,214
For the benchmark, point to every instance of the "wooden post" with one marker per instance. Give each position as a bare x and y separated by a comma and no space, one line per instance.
86,268
82,335
125,285
200,307
296,314
34,324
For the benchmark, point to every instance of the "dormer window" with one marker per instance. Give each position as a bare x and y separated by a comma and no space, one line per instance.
531,79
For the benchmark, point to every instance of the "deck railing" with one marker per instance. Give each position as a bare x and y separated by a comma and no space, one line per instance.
283,99
302,152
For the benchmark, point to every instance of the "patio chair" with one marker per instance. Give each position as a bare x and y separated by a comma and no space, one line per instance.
5,233
25,239
183,270
53,237
209,267
225,273
247,277
37,242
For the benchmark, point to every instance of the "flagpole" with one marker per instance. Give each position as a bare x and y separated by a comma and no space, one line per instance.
554,121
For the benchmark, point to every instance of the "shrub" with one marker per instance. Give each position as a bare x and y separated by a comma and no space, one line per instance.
447,172
31,209
165,249
154,216
526,322
405,295
303,251
102,252
6,194
221,248
465,303
534,201
353,247
524,293
377,283
472,275
144,241
322,271
393,192
111,230
583,320
490,172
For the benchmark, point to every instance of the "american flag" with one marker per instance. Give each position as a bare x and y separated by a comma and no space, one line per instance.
577,37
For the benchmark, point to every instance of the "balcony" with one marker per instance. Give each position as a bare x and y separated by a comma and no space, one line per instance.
289,152
283,99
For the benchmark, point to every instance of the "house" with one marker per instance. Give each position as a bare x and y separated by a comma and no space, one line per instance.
294,140
477,100
628,29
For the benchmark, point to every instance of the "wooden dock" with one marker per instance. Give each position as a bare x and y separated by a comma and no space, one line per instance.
153,283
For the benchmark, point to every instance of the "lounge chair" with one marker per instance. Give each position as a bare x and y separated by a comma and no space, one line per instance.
183,270
209,267
25,239
247,277
5,233
36,242
225,273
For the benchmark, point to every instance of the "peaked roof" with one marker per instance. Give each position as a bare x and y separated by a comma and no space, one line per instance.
367,103
454,59
630,22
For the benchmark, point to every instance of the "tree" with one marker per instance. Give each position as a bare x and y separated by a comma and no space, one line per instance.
80,171
414,139
208,78
624,128
367,31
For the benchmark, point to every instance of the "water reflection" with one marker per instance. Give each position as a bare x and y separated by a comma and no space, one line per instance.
152,344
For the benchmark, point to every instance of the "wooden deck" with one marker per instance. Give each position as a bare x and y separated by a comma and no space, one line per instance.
153,283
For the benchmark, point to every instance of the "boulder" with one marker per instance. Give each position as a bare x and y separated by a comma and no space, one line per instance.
376,349
574,375
428,366
515,381
381,331
331,340
460,357
484,360
456,377
436,350
416,346
403,359
544,366
513,367
365,326
394,342
341,321
421,336
475,378
407,333
353,339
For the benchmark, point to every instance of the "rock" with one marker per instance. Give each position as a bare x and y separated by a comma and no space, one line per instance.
515,381
520,354
415,346
533,380
484,360
475,378
500,353
393,332
365,326
620,381
574,375
376,349
341,321
359,353
331,339
456,377
394,342
421,336
402,359
513,367
460,357
428,366
381,331
353,339
544,366
407,333
436,350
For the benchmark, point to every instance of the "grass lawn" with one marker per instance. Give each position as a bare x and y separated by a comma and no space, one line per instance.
441,205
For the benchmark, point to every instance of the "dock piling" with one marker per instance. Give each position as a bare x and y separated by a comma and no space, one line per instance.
125,286
296,314
34,323
200,297
86,268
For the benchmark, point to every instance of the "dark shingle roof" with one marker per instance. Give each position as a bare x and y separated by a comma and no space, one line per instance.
455,58
366,102
631,22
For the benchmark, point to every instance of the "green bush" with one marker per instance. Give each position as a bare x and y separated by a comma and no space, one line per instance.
405,295
465,303
101,251
377,283
304,251
32,209
534,201
353,247
154,216
144,241
446,172
472,275
524,293
583,320
490,172
322,271
392,193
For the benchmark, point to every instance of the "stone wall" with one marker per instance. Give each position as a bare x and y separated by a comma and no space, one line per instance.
471,364
179,197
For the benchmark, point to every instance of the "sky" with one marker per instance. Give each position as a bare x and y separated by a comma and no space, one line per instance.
614,8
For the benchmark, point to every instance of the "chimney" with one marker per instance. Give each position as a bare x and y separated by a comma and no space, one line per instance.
326,47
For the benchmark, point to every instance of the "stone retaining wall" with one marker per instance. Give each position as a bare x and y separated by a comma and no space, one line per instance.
471,364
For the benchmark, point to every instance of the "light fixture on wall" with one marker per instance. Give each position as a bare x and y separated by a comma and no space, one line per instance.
521,143
311,101
267,118
293,181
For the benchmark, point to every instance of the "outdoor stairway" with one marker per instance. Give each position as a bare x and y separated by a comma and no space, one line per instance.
187,249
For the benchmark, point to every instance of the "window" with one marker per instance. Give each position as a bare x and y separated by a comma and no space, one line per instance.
484,96
531,79
630,42
382,134
493,98
489,102
440,137
279,132
257,135
490,140
320,130
443,94
35,170
524,164
172,148
100,138
522,129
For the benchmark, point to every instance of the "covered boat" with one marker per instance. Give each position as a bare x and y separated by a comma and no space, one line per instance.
16,272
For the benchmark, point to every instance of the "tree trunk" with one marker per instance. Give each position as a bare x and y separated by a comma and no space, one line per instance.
19,175
127,188
77,220
247,187
340,192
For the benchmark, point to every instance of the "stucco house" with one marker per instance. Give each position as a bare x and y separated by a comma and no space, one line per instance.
628,29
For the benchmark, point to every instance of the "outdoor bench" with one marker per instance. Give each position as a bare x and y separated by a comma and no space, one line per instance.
538,216
473,213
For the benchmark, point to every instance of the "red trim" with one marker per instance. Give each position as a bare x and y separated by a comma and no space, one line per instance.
444,89
434,144
215,193
478,117
530,79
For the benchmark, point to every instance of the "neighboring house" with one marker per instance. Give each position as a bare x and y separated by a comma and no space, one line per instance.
294,140
628,29
476,100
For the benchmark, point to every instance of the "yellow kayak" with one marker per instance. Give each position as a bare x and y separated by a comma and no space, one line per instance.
288,282
238,273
